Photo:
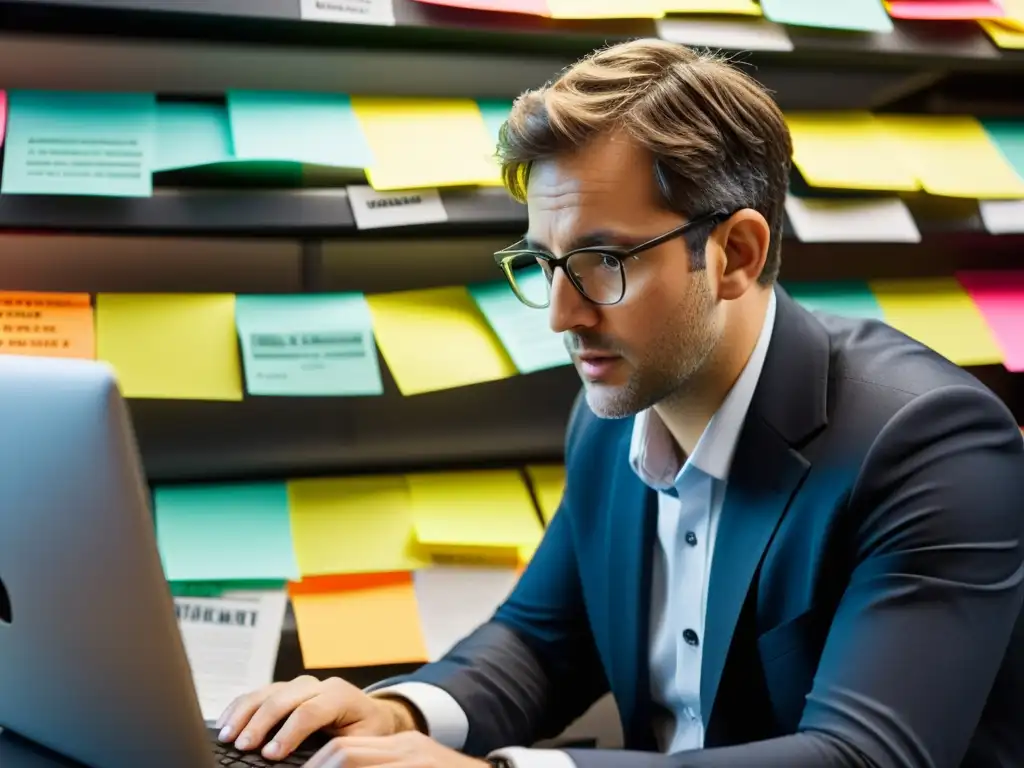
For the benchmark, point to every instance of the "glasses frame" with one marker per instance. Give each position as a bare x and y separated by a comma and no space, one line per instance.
506,256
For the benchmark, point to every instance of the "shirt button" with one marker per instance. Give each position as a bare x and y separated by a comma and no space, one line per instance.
691,538
691,637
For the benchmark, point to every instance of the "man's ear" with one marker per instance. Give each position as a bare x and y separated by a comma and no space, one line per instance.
743,240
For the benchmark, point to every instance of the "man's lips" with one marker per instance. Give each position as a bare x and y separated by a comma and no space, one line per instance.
597,365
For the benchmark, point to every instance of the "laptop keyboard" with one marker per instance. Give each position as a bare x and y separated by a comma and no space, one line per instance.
229,757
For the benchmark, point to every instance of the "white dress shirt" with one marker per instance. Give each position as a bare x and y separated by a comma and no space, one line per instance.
690,496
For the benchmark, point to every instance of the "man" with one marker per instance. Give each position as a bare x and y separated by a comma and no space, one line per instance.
786,540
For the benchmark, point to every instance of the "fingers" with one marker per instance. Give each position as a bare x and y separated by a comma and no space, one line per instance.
340,753
328,708
254,717
238,712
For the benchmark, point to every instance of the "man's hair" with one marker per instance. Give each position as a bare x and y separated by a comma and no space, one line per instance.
719,141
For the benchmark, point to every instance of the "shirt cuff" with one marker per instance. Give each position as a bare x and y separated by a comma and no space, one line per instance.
521,757
446,721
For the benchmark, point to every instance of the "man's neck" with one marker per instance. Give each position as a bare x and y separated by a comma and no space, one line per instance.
687,414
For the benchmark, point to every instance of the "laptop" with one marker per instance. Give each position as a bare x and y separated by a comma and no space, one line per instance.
92,664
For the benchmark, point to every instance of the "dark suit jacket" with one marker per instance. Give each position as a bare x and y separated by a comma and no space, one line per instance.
865,596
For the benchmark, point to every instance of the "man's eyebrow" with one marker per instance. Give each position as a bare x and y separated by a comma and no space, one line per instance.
597,237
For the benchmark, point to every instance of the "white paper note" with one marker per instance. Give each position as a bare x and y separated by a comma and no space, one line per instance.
454,600
729,34
349,11
1002,217
231,642
868,220
374,210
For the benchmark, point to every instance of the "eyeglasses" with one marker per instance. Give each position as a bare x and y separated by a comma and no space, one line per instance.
597,272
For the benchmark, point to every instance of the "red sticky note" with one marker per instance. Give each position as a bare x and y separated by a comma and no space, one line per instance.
999,296
534,7
945,10
3,116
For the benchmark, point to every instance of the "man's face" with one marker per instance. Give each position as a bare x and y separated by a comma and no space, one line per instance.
649,346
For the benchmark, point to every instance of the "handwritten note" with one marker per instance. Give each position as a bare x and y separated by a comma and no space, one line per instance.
846,298
189,135
999,297
380,12
847,220
221,532
79,144
176,346
357,621
46,324
354,525
853,15
524,331
436,339
548,481
375,210
737,33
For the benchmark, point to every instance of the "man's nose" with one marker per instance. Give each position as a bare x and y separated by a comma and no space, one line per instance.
568,309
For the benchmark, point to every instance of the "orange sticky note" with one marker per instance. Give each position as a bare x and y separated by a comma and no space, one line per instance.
46,324
357,621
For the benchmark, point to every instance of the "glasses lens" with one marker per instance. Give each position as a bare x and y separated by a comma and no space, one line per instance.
599,276
531,280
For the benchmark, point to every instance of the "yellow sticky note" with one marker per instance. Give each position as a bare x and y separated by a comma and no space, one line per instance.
847,150
358,621
1014,18
953,156
730,7
548,481
353,525
174,346
606,9
939,313
482,513
1004,35
426,142
435,339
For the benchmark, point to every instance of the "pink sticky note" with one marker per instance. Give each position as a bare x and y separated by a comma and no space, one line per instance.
999,296
3,116
533,7
946,10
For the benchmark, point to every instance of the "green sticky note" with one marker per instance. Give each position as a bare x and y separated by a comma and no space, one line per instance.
847,298
191,135
853,15
80,144
225,532
218,588
312,128
308,345
495,113
522,330
1008,136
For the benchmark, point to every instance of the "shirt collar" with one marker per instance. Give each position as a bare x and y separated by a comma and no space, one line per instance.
652,452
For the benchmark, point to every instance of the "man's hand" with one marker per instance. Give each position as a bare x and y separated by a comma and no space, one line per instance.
403,750
307,705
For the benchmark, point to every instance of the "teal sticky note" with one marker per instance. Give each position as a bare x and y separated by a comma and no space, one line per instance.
189,135
850,15
1008,136
79,144
308,345
234,532
495,112
218,588
312,128
522,330
847,298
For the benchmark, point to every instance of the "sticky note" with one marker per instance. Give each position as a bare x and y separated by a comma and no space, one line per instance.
224,588
189,135
523,330
738,33
854,15
476,514
953,156
605,9
46,324
848,150
1008,136
852,220
402,208
61,143
495,113
1002,217
938,313
426,142
308,345
436,338
548,481
534,7
378,12
999,296
312,128
455,600
225,532
3,116
1003,36
944,10
174,346
354,525
852,298
357,621
1014,15
731,7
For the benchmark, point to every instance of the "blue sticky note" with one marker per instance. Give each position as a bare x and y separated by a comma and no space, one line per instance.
189,135
522,330
80,144
847,298
235,532
312,128
495,112
1008,136
308,345
850,15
